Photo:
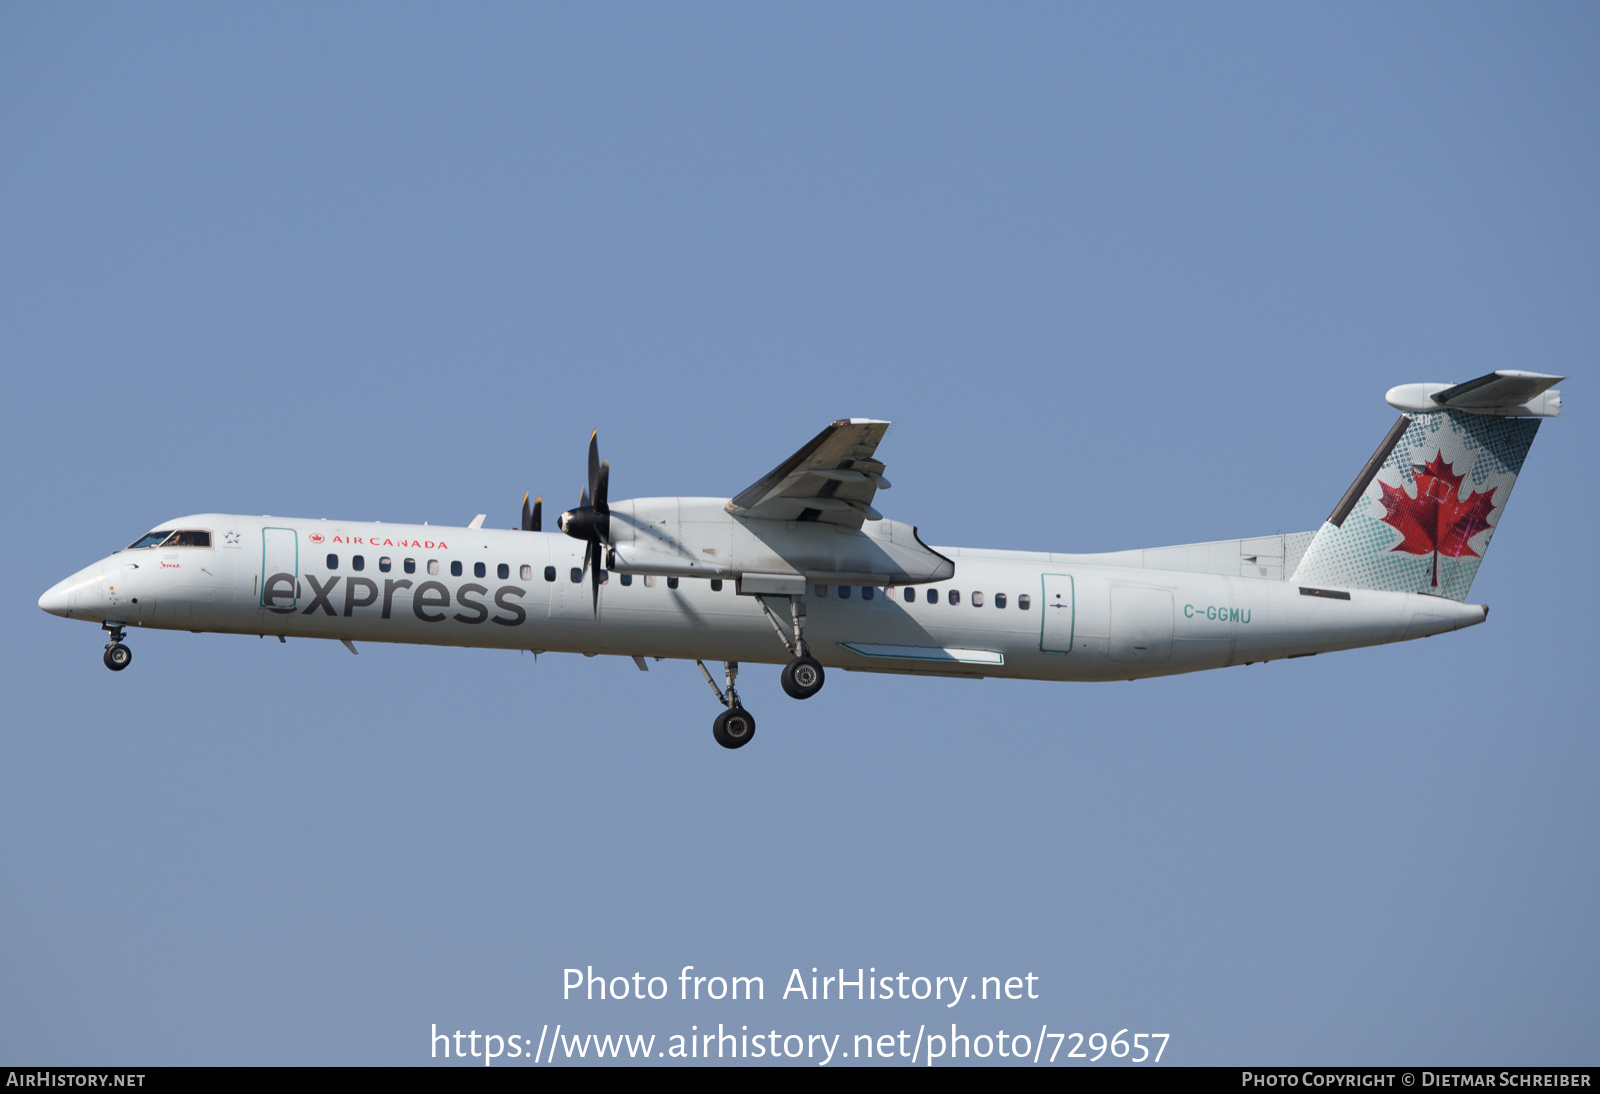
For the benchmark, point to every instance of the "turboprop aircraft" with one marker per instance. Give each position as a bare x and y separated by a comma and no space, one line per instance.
801,569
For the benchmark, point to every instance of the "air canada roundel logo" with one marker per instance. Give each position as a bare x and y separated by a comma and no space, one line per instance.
1436,521
316,537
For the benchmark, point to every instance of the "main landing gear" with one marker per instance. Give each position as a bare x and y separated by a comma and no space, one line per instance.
803,677
735,726
118,656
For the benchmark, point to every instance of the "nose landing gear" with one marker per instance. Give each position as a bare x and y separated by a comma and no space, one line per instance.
735,726
117,656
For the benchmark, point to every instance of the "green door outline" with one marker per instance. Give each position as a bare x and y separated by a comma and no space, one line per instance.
294,537
1044,611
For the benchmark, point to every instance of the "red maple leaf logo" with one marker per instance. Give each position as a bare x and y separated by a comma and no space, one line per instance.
316,537
1436,520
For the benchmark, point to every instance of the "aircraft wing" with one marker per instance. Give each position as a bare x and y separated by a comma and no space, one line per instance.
832,479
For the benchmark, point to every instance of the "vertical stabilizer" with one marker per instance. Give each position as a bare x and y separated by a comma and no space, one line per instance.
1419,517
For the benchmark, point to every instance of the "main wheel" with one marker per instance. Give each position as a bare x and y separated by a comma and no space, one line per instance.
734,728
802,678
118,657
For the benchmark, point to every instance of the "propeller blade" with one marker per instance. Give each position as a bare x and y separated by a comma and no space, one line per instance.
538,505
594,578
527,515
594,464
601,487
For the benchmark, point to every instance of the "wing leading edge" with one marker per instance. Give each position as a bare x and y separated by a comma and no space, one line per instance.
832,479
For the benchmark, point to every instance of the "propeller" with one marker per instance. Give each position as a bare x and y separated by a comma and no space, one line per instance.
591,520
530,518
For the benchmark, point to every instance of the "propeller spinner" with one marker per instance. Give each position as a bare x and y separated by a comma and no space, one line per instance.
591,520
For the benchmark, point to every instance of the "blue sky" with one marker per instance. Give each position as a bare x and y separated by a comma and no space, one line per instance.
1121,276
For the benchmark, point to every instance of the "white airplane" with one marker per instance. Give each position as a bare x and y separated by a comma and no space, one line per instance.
800,569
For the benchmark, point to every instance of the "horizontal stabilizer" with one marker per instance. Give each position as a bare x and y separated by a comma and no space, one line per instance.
1505,393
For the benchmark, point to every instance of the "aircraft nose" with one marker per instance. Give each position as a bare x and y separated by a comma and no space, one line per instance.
57,600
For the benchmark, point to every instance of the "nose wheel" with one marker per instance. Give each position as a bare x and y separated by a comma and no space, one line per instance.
735,726
117,656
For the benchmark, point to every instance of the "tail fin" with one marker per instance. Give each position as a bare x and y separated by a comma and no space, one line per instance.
1419,517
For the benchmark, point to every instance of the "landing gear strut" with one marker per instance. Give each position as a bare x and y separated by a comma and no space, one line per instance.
803,677
117,656
735,726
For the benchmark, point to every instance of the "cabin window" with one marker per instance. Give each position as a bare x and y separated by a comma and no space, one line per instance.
672,583
455,568
933,596
955,596
844,592
527,572
822,590
716,584
868,592
333,562
1022,602
911,595
999,600
480,570
627,579
358,562
410,566
433,567
977,600
149,539
385,564
503,572
605,577
549,573
649,581
577,574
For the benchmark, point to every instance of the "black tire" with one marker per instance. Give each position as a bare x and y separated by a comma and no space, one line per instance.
803,677
734,728
118,657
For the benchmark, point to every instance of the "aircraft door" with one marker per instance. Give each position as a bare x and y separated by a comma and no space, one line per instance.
1057,609
1141,624
279,587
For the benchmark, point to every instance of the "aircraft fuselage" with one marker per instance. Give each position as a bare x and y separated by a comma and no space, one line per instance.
1004,613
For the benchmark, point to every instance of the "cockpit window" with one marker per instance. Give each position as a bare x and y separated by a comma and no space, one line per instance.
169,538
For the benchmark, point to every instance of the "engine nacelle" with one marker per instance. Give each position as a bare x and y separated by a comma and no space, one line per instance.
698,537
